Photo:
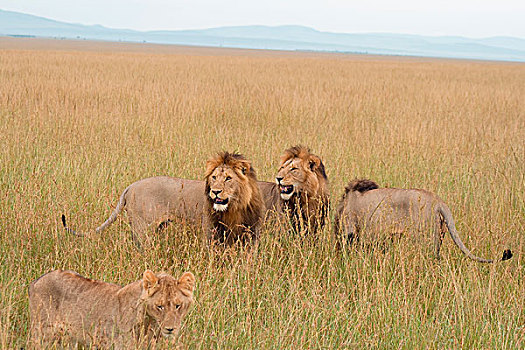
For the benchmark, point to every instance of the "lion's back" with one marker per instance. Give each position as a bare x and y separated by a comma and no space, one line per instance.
155,197
53,285
383,206
60,291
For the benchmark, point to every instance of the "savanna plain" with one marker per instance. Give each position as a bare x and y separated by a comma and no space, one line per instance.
81,121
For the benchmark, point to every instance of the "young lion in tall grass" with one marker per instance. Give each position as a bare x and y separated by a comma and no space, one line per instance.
369,213
68,309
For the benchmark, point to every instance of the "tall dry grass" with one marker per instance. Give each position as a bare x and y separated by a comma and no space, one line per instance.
81,121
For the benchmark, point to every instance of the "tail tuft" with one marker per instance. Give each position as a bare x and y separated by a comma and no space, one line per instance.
68,230
507,254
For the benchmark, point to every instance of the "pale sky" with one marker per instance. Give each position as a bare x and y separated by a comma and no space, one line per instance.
470,18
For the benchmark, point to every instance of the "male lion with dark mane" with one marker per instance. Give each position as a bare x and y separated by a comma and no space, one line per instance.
70,310
300,191
234,203
156,201
367,212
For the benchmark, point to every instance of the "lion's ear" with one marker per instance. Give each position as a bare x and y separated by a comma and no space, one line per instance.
284,158
315,162
149,282
186,283
317,166
245,167
210,166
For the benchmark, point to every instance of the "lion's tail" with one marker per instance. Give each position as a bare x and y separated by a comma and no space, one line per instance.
121,204
449,220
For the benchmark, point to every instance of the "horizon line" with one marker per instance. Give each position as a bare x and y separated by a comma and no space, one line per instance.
271,26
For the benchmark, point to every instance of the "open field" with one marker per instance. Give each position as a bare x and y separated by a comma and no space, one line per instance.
81,121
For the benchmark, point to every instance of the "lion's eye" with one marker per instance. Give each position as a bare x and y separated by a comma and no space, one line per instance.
228,178
214,177
160,307
178,306
293,169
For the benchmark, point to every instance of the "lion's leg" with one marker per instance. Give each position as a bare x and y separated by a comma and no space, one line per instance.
437,243
339,238
41,336
249,236
314,223
139,231
348,234
254,243
43,328
210,237
162,226
47,335
35,329
439,233
352,231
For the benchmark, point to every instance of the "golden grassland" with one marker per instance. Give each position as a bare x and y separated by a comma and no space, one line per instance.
80,121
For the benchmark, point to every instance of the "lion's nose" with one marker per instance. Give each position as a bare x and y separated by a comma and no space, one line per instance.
279,179
216,192
169,330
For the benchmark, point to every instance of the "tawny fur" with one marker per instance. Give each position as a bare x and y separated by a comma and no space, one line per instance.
70,310
369,213
156,200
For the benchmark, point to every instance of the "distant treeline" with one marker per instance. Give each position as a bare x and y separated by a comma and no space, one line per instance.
21,36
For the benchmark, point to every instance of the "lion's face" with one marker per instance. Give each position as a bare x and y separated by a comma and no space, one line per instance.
167,300
224,184
227,181
290,178
299,174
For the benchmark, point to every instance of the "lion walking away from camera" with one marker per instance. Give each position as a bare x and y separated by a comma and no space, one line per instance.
367,212
70,310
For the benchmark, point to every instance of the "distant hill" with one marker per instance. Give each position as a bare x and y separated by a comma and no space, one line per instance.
288,37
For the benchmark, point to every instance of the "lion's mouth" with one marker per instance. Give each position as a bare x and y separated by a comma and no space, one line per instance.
220,201
286,189
168,335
